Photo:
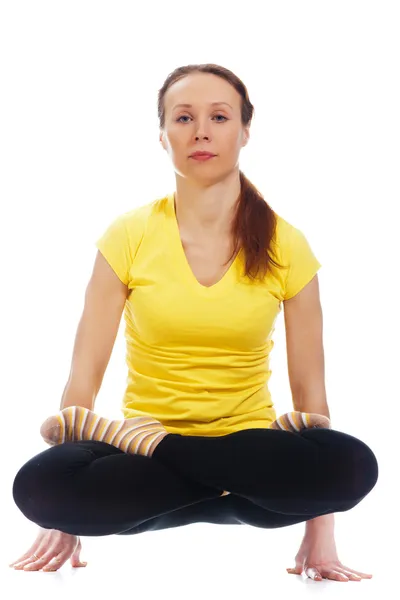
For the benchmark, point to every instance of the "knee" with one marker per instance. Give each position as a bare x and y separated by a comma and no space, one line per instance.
348,457
25,488
362,470
35,481
366,465
350,463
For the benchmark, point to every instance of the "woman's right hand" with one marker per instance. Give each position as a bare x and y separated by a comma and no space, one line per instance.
49,545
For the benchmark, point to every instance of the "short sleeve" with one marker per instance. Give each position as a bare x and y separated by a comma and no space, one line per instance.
302,262
114,245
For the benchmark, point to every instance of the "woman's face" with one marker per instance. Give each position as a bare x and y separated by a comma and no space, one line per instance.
202,126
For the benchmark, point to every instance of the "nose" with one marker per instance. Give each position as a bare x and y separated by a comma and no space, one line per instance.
202,130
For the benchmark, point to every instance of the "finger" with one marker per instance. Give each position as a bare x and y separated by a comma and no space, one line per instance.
40,563
46,561
295,571
36,565
75,558
34,548
25,556
25,562
362,575
16,562
351,575
313,573
336,575
79,564
57,562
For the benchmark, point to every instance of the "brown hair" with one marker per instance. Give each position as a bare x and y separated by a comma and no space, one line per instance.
254,225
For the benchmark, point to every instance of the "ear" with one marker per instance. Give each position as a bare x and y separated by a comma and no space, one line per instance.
162,139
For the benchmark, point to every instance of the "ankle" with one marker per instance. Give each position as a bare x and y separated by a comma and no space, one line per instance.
157,443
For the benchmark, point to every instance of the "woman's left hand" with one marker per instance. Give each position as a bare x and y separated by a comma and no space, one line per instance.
318,559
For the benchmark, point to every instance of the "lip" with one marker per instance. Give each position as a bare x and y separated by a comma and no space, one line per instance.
202,155
202,158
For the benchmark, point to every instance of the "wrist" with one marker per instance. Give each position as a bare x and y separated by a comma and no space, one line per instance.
325,523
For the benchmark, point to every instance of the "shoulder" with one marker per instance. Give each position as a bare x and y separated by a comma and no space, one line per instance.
287,234
141,214
284,232
283,226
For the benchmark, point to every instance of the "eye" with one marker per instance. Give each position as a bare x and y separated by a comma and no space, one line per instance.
187,117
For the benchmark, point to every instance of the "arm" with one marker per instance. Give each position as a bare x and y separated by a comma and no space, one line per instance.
97,330
306,364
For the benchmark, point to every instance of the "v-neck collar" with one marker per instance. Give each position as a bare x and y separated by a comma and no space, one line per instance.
175,244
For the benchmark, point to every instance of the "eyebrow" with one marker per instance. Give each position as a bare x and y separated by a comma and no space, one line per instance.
212,104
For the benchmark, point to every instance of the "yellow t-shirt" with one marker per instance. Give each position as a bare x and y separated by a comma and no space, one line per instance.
198,357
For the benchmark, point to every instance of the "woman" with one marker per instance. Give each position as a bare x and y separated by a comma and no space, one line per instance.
201,291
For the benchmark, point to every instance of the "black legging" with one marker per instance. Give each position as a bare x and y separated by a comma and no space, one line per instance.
276,478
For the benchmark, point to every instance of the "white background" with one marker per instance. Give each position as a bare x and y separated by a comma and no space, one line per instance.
79,146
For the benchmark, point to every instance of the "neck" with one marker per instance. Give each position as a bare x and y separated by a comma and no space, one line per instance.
206,210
